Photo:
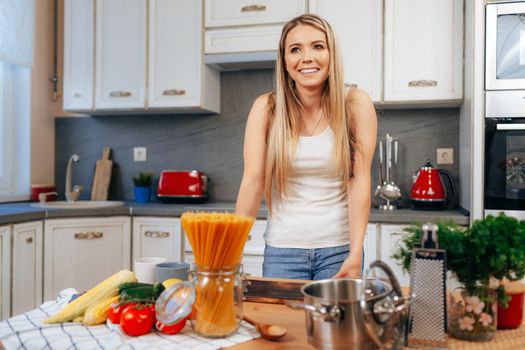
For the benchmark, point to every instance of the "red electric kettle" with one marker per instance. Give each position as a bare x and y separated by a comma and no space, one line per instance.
428,190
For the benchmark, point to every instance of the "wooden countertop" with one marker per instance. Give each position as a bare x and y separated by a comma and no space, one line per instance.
296,338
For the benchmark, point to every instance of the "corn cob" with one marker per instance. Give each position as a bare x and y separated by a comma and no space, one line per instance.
98,313
106,288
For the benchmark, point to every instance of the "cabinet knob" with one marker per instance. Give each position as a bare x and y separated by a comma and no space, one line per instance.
120,94
88,235
156,234
174,92
29,240
253,8
422,83
249,238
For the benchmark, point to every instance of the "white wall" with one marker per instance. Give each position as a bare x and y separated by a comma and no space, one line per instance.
43,108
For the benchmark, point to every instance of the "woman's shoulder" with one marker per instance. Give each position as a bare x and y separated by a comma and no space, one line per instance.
264,101
358,96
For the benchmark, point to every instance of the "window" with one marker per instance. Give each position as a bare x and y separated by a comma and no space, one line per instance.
14,132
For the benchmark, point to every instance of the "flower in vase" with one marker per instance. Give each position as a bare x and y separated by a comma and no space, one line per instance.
474,304
485,319
466,323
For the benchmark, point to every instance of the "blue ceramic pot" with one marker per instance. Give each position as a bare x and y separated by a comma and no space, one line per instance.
142,194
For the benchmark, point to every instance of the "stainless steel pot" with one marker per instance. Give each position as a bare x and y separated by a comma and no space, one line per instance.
352,313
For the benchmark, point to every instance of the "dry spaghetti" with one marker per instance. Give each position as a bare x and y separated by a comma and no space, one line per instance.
217,240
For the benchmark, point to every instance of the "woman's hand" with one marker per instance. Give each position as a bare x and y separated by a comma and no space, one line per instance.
351,267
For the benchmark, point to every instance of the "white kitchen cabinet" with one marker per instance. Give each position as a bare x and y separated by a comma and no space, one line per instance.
390,236
223,13
78,54
358,25
157,237
27,266
370,245
423,50
244,26
82,252
120,54
5,271
177,74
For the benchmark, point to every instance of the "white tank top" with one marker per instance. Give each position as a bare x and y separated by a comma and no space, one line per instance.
314,214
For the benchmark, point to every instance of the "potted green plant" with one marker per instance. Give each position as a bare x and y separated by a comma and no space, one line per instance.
143,182
488,251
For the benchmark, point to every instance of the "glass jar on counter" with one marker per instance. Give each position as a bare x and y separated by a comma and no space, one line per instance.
217,311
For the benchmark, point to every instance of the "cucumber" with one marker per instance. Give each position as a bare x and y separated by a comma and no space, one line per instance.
128,285
141,293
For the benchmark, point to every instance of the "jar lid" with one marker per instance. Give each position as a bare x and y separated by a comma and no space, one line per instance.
175,303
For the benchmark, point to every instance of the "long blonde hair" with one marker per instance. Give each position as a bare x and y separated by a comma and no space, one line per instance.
285,115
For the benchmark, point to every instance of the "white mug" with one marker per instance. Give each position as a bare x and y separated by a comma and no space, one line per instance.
144,268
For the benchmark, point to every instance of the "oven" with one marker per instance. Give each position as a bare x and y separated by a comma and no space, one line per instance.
505,166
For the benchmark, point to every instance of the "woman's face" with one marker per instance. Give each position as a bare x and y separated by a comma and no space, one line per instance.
306,56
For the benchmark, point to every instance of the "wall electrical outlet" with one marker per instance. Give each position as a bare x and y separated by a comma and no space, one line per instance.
140,154
445,156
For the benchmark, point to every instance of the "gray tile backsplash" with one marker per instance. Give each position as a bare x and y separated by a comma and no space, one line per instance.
213,143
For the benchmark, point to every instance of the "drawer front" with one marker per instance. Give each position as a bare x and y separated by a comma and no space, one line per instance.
157,237
82,255
255,243
221,13
264,38
252,265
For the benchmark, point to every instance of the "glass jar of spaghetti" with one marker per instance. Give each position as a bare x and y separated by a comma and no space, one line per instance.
217,311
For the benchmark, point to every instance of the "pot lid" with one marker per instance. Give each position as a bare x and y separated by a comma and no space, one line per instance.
385,312
175,303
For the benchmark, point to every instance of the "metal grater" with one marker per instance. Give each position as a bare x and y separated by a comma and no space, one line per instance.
428,312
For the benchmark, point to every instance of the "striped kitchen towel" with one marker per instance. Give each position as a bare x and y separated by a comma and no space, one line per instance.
27,331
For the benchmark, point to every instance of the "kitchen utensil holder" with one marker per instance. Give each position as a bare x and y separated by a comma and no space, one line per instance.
387,190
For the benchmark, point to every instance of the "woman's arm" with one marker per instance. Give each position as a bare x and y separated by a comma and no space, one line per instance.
254,155
359,187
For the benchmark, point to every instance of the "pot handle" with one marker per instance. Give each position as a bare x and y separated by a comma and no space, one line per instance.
330,313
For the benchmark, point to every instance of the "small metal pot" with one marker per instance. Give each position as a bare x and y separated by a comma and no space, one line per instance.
350,313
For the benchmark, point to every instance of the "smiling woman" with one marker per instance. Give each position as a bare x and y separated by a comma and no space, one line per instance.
308,147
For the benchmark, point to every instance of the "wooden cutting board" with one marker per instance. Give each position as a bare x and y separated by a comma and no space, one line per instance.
102,178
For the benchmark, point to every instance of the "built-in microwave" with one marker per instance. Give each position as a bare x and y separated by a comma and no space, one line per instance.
505,46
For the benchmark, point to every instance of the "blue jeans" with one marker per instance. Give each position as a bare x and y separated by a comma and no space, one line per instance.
305,264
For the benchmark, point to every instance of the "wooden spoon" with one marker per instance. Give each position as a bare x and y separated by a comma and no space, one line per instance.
267,331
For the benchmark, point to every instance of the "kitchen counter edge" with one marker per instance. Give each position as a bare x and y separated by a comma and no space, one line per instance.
13,213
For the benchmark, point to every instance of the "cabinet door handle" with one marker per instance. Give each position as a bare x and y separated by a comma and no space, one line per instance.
351,85
120,94
89,235
174,92
156,234
29,240
249,238
76,94
253,8
422,83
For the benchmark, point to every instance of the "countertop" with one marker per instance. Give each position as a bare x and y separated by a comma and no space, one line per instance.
296,338
12,213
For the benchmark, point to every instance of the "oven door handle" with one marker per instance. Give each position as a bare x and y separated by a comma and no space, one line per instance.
510,126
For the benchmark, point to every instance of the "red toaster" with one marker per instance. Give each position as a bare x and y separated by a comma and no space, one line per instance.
182,186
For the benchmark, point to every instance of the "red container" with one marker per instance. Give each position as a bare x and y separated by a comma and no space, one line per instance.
36,189
512,316
182,184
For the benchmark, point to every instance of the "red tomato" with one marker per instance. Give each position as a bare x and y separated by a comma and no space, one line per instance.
137,319
171,329
114,312
152,308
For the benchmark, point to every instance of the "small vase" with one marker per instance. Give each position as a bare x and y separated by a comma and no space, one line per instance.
473,316
142,194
